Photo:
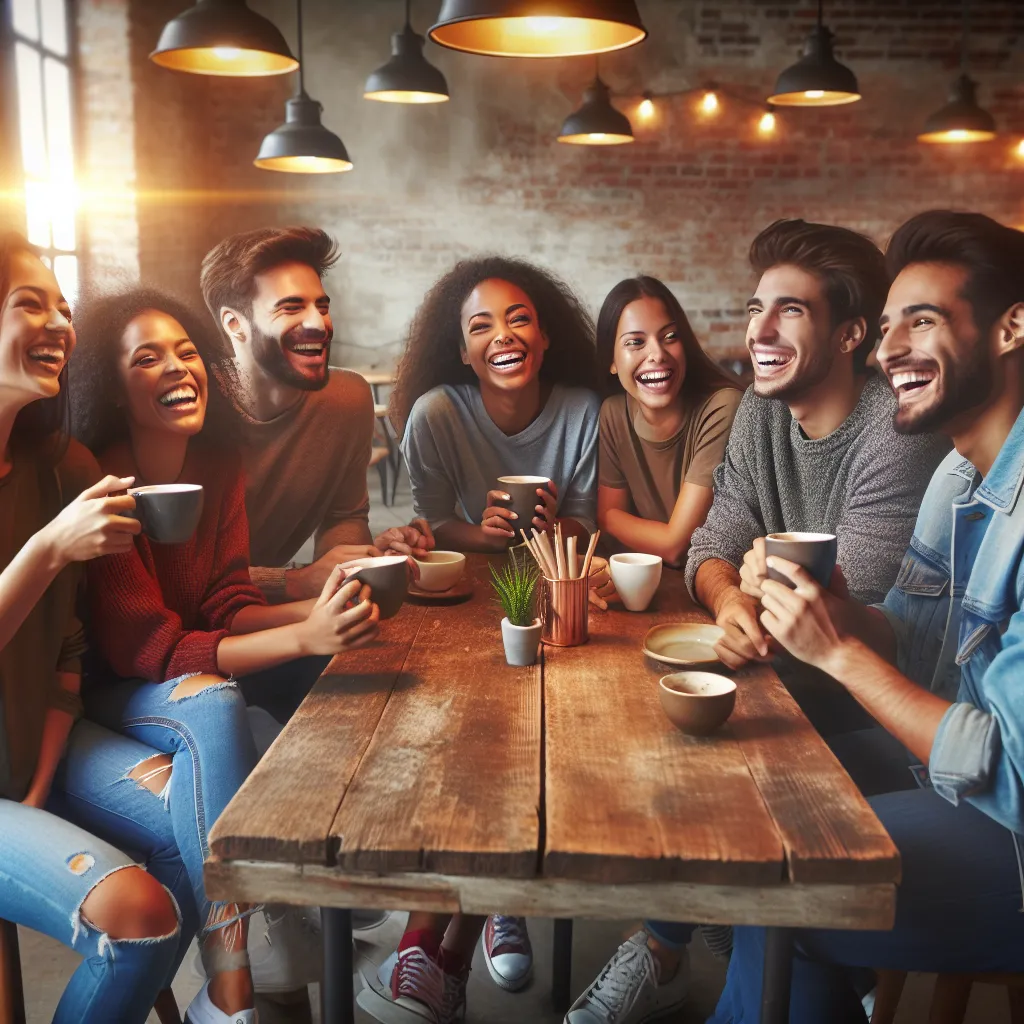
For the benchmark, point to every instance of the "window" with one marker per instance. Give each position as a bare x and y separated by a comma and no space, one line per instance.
42,64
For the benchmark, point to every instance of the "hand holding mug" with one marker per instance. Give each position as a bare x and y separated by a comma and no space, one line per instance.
754,570
546,508
343,617
95,523
497,520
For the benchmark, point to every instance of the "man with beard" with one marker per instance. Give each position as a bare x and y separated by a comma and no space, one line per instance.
812,449
940,663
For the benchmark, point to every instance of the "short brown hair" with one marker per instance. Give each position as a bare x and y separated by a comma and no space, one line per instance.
851,267
229,269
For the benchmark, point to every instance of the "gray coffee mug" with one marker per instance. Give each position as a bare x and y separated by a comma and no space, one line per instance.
388,579
816,552
523,491
169,513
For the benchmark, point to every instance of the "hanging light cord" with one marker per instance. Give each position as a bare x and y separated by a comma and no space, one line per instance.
302,63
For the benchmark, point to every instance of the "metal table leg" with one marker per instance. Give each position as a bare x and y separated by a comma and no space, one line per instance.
778,975
337,1004
561,965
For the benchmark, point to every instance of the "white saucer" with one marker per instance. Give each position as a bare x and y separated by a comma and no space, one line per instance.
683,643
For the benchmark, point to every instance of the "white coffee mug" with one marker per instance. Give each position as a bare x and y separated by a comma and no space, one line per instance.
636,577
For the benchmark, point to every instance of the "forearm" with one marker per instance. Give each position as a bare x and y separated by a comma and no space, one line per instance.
869,626
353,530
24,581
255,617
647,535
458,535
252,652
56,727
901,707
716,581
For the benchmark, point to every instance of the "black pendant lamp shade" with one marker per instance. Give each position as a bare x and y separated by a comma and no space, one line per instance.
817,79
538,28
597,122
302,145
961,119
408,77
223,37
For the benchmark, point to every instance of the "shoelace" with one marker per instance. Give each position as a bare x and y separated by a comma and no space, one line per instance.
508,931
420,978
622,980
454,996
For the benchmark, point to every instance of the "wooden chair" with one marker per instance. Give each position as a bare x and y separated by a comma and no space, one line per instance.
387,438
949,998
12,994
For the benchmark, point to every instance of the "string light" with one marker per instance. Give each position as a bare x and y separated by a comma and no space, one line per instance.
709,102
646,108
1020,149
766,126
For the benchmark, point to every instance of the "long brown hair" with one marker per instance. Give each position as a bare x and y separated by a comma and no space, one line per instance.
703,374
432,353
41,428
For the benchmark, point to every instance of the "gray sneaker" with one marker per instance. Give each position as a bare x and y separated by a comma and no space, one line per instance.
627,990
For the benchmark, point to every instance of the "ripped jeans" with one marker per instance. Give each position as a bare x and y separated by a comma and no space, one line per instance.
211,750
48,866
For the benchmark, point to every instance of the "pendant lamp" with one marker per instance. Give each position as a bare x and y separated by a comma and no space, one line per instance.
597,122
817,79
223,37
538,28
302,145
408,77
961,119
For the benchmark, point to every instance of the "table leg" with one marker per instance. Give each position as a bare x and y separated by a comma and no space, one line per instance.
778,975
337,1004
561,965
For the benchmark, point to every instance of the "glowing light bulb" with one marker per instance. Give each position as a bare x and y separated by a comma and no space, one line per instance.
544,24
1020,149
957,134
227,52
646,110
814,94
709,104
767,123
598,136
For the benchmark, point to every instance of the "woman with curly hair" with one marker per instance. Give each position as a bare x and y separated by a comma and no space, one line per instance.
496,381
664,424
175,623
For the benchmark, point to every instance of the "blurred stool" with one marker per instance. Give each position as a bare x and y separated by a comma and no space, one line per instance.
949,998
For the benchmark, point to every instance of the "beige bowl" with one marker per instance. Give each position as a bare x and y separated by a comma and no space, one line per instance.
697,703
440,570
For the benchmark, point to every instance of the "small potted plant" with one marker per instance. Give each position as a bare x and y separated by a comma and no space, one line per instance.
515,585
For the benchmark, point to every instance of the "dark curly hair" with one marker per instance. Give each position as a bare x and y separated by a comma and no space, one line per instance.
97,417
851,267
41,428
703,374
432,353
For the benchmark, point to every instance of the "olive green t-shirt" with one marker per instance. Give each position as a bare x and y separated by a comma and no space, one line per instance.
654,471
50,639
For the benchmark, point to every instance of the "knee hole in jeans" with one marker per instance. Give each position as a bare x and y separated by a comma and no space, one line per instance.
130,904
196,684
153,773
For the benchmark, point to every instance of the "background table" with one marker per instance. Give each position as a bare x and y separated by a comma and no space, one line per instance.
424,773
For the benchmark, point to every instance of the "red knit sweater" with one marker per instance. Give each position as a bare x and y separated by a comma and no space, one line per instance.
161,610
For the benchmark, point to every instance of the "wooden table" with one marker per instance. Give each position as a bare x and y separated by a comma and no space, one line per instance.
425,774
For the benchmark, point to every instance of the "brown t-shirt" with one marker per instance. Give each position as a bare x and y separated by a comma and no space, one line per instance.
50,639
654,471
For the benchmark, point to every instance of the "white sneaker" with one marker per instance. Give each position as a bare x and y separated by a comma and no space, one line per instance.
627,990
202,1011
507,952
414,992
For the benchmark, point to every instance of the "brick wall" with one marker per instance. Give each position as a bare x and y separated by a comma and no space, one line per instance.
483,172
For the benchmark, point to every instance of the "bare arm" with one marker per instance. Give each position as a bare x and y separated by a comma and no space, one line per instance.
669,540
458,535
255,617
56,727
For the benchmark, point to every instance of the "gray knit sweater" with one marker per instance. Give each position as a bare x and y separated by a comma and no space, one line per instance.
863,482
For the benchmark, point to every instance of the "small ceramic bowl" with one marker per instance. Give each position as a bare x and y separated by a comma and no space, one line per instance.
440,570
697,703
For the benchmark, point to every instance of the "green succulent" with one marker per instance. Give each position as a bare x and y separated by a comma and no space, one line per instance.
515,584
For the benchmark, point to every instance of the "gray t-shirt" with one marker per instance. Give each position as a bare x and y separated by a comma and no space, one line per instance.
455,452
863,482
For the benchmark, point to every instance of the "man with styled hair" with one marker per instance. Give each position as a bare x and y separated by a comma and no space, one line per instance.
940,663
812,449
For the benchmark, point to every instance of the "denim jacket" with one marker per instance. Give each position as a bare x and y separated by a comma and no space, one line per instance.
957,609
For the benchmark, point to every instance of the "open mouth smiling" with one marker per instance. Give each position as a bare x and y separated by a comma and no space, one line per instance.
183,398
308,349
48,355
908,384
656,381
507,362
770,361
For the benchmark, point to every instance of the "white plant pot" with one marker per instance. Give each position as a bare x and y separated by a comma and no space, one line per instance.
521,642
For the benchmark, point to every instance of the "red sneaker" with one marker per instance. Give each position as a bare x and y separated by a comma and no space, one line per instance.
507,952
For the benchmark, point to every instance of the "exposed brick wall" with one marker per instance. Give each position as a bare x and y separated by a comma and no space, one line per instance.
484,173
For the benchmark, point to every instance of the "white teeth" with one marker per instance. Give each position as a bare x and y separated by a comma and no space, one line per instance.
771,360
655,376
906,377
308,348
182,394
46,352
508,359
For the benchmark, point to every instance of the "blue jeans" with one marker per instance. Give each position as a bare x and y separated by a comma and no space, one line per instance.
958,908
212,752
48,866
